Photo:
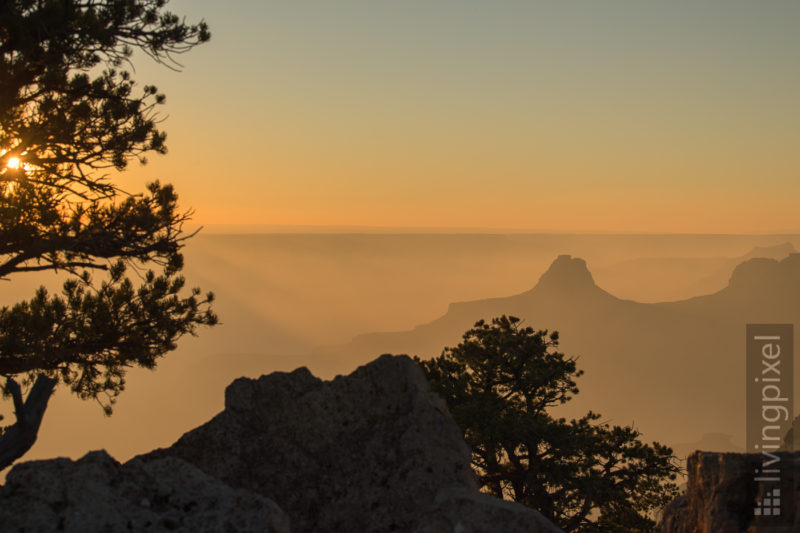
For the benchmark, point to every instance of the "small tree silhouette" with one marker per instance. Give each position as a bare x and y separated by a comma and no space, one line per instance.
583,475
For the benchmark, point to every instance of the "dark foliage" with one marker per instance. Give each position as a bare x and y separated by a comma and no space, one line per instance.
500,384
70,115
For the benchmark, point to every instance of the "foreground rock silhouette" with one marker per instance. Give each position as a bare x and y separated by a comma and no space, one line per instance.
721,495
97,494
374,451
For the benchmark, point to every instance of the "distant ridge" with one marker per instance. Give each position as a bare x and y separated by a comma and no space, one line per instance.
777,251
659,279
653,363
760,270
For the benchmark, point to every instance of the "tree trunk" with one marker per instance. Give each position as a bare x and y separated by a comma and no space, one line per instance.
16,440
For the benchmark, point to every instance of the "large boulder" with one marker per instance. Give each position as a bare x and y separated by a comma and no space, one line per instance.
374,451
97,494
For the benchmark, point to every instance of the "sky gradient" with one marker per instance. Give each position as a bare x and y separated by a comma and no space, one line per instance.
613,116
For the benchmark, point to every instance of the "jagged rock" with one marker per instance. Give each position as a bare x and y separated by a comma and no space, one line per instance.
368,452
97,494
721,494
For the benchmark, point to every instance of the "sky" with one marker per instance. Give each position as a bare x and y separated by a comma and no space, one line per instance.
613,116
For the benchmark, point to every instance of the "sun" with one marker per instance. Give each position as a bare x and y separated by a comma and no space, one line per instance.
13,162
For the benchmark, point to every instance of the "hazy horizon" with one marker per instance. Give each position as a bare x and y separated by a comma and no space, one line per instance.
196,191
288,229
284,298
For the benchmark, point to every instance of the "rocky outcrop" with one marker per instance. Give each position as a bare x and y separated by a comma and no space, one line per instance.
97,494
373,451
467,511
721,495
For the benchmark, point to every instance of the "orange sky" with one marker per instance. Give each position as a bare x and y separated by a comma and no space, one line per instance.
622,117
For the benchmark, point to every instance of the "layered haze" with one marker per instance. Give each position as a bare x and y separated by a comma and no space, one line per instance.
290,300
